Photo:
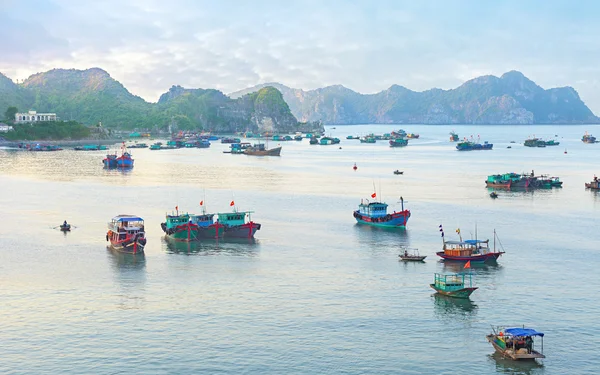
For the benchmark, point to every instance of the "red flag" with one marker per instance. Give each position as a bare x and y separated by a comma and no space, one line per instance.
201,203
232,203
373,195
176,208
468,265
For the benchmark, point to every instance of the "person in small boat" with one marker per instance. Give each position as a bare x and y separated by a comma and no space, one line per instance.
405,253
65,223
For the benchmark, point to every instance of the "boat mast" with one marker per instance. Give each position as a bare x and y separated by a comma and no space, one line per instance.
494,240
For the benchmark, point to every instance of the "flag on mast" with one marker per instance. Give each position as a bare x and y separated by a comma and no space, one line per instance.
468,265
373,195
201,203
232,203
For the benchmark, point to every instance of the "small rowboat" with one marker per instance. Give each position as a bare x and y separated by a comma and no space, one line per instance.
65,227
411,255
398,172
493,194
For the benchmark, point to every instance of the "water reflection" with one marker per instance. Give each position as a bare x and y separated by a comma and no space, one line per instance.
130,274
127,264
478,268
507,366
454,308
370,235
234,246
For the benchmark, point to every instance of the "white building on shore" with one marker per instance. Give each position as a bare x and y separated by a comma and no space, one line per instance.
33,116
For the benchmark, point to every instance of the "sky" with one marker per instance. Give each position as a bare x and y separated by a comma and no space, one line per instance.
150,45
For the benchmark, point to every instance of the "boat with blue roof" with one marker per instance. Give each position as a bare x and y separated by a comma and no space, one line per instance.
376,214
126,234
473,250
517,343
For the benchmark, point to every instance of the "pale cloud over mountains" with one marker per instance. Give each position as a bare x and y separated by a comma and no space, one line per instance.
367,46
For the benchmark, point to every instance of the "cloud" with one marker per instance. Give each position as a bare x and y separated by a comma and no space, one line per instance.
150,45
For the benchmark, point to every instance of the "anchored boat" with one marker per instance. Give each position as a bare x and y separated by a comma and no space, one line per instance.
238,224
516,343
469,250
126,234
594,185
453,285
413,255
179,227
375,214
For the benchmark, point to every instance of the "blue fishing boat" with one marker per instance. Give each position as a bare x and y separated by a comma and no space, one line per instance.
203,143
516,343
470,146
110,161
207,227
375,214
453,285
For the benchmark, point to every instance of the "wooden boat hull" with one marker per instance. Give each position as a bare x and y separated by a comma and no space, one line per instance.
510,353
489,257
498,185
394,220
211,231
592,185
413,258
242,231
133,247
184,233
272,152
459,293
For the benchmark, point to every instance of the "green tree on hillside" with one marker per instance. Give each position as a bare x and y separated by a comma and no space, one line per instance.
9,115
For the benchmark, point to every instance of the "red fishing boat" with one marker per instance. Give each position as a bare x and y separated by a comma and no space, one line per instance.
126,234
469,250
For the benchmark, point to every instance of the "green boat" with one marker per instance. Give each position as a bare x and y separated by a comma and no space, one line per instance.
556,182
398,142
552,142
453,136
90,148
180,227
368,139
453,285
329,141
155,146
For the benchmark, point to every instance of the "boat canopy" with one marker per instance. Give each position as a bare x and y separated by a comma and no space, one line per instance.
526,332
127,218
474,242
457,243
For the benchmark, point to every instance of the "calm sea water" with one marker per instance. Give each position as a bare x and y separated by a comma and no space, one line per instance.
315,293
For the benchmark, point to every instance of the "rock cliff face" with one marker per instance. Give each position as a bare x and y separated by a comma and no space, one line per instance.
509,99
91,96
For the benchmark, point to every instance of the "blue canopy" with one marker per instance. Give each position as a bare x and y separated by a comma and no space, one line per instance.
127,218
473,242
523,332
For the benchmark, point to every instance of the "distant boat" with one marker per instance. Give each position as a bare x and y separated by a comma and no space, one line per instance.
412,135
375,214
470,145
453,137
90,148
493,194
259,149
329,141
588,138
453,285
468,250
398,142
594,185
516,343
138,145
126,234
411,255
398,172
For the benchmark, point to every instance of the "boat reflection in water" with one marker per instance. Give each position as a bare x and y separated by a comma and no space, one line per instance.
381,238
508,366
130,276
454,308
228,246
127,263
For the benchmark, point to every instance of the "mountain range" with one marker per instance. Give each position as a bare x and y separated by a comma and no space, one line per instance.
509,99
91,96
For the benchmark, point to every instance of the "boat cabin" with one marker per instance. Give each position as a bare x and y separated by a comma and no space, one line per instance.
204,220
175,220
233,218
125,226
466,248
373,209
452,283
